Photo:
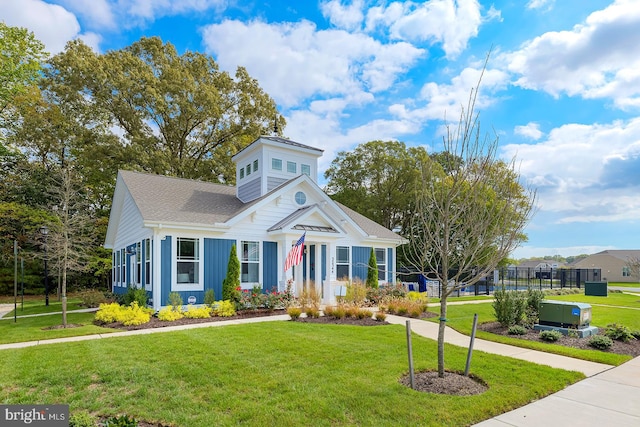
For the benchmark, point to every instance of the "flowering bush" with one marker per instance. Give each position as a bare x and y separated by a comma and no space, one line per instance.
277,300
109,313
169,314
197,312
224,308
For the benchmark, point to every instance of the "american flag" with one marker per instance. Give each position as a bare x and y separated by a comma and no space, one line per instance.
295,254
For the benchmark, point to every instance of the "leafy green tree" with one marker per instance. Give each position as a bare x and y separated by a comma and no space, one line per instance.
231,282
372,271
467,218
179,114
378,180
21,55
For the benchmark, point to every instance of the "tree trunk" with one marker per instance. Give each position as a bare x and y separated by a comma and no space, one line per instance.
441,329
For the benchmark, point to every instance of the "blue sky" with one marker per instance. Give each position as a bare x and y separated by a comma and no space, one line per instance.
561,91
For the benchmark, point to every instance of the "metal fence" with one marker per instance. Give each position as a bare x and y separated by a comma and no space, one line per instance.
515,278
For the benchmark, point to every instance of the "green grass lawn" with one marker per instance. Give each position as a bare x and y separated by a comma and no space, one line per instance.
267,374
460,318
624,284
31,328
38,307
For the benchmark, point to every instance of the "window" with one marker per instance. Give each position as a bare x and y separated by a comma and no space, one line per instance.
305,169
250,268
147,262
342,263
291,167
249,169
123,268
138,264
301,198
188,261
241,173
626,272
381,261
116,267
255,166
276,164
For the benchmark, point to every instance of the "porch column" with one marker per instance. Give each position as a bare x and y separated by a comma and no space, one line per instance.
156,272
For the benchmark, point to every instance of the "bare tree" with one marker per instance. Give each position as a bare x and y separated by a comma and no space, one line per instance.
470,214
70,238
633,263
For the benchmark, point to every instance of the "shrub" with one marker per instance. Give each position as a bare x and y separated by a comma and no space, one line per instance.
135,315
356,292
294,312
193,312
109,313
550,336
175,300
534,298
363,314
339,313
516,330
92,298
138,295
372,271
417,296
231,282
224,308
351,311
636,334
209,297
509,306
380,316
275,299
168,314
312,312
311,297
415,312
600,342
82,419
329,311
619,332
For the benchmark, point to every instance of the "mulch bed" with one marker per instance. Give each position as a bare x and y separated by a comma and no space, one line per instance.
631,348
453,383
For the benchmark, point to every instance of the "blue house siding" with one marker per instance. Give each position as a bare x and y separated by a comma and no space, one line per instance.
269,266
165,270
390,265
360,262
216,260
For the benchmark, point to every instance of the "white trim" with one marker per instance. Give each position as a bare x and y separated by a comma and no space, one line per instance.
156,270
175,286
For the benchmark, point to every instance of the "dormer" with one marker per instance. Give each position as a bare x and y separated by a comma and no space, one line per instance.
268,162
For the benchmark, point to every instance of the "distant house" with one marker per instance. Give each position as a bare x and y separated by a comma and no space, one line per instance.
175,235
613,263
534,269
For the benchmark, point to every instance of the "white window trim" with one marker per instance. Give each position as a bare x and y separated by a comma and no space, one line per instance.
348,263
148,279
250,285
175,286
383,264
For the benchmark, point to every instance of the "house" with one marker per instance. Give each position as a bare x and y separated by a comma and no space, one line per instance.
614,264
534,269
175,235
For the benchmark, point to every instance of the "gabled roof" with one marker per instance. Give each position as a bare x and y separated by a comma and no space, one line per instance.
623,254
162,199
279,140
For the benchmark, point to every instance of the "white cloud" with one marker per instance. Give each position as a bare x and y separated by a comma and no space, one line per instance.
530,130
96,13
527,251
583,173
540,4
51,24
449,22
347,17
149,10
295,61
597,59
448,99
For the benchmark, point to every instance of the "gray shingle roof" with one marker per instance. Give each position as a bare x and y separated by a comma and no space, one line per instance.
160,198
166,199
623,254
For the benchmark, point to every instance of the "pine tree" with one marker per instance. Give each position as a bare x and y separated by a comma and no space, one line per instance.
372,271
232,281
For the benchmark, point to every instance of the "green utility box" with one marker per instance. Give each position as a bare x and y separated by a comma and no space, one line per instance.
598,289
565,314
